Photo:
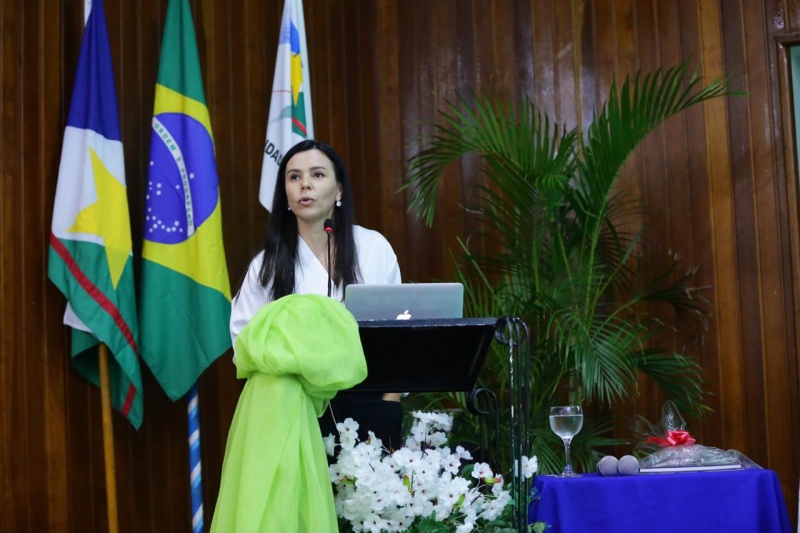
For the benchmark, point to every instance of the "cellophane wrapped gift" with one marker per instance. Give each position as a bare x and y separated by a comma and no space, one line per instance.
668,444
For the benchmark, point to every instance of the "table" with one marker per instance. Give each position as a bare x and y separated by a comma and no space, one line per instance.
746,500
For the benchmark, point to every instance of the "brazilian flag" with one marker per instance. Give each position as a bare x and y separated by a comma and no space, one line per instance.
185,291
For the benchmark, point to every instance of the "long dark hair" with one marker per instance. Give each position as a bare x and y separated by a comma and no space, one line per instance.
280,248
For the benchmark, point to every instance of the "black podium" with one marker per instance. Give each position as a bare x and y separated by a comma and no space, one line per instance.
447,355
424,355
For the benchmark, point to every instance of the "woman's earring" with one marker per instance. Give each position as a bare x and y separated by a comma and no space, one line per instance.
338,203
288,208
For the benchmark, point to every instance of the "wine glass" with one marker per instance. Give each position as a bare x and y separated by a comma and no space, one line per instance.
566,421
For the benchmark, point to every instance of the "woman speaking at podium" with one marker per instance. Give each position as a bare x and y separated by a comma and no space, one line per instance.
312,187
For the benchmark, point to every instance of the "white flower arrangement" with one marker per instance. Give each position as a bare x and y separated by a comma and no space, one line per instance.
418,487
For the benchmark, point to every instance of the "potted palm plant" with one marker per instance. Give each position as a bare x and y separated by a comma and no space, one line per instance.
563,257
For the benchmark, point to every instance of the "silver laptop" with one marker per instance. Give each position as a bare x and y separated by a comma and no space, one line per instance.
405,301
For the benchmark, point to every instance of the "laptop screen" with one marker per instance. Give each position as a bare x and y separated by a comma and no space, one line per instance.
405,301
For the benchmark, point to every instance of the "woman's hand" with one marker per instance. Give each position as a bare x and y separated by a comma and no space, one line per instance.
391,397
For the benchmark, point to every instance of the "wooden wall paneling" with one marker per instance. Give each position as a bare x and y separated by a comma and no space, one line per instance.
334,116
791,10
770,203
54,365
388,142
787,192
504,64
619,25
11,273
355,28
523,35
586,60
344,59
604,45
480,65
364,170
725,292
786,137
687,181
471,177
412,74
444,58
751,378
677,176
401,136
701,246
397,87
623,49
30,347
124,41
87,501
441,238
317,33
566,19
251,111
7,94
355,58
655,181
544,48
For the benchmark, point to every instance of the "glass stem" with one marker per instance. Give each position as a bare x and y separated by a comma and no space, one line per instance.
568,467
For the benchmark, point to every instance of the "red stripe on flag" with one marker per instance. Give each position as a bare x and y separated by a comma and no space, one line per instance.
126,407
94,292
301,126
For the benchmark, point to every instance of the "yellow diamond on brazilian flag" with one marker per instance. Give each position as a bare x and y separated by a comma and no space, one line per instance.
185,291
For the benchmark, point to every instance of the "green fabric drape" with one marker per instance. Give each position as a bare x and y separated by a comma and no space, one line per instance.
296,353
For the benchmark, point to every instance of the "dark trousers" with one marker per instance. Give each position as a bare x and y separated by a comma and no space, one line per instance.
384,418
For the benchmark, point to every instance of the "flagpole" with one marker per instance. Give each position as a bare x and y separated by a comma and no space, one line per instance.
108,441
105,402
195,469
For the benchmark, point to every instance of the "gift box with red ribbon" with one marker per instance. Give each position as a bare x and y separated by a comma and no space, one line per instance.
668,444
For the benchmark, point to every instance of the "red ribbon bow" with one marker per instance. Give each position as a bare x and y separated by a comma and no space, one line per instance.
676,437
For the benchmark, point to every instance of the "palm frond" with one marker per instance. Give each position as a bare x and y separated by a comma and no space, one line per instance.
629,114
679,376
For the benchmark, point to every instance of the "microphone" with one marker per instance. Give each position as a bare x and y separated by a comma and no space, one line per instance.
328,225
607,466
628,465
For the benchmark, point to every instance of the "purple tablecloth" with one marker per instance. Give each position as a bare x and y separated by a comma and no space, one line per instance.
748,501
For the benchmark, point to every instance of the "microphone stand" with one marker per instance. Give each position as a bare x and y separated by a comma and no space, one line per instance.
329,229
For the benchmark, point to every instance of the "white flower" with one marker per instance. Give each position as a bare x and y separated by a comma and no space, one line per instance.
441,421
497,486
529,466
463,454
437,439
330,444
493,508
451,463
482,471
406,458
348,426
465,527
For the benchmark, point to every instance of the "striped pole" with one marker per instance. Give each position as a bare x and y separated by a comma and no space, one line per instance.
194,461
